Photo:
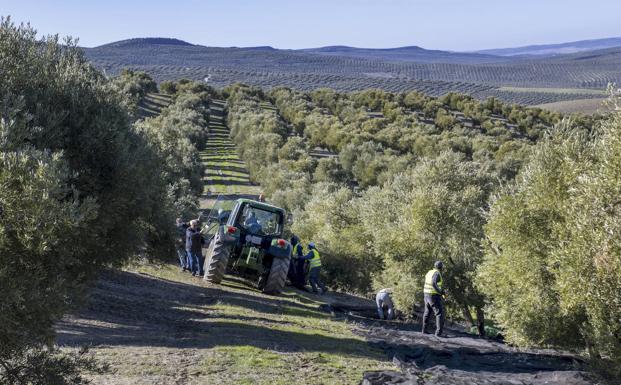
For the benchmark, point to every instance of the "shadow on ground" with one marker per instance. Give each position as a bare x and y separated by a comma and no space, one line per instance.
130,309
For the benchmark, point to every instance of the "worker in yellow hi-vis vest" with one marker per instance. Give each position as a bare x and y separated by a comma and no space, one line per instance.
433,292
315,267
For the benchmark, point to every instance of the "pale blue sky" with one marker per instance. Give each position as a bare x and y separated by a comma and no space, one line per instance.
435,24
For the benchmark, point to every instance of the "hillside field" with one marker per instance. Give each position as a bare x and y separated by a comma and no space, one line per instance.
434,73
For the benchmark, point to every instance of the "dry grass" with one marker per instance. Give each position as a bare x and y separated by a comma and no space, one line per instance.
585,106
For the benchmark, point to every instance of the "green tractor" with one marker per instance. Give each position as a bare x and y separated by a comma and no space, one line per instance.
248,241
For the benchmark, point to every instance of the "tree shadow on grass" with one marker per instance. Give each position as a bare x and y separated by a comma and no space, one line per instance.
129,309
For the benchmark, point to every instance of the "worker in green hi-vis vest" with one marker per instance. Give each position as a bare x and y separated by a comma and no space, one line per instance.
315,267
434,292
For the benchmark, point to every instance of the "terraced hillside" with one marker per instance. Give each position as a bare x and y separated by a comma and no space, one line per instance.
268,67
226,174
152,104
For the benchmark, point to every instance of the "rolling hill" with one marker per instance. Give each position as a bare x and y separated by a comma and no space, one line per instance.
348,69
555,49
408,54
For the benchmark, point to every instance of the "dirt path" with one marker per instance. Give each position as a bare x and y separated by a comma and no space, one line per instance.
156,325
226,173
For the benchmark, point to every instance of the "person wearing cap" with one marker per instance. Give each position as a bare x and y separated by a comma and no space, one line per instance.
433,294
315,268
385,307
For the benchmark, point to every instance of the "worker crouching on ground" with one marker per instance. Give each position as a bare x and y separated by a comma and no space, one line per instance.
315,268
433,293
385,307
193,244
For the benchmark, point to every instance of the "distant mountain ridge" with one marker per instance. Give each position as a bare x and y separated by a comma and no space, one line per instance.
141,41
406,54
411,53
555,49
538,79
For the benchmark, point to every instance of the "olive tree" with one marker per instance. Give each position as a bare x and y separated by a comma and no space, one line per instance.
79,191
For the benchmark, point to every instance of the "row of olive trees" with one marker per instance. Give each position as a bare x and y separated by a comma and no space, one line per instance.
356,230
178,134
522,260
135,85
80,189
552,266
373,150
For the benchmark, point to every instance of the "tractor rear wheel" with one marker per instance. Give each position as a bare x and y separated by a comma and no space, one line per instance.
218,258
278,275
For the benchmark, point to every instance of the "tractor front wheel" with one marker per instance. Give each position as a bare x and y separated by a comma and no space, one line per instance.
218,258
275,281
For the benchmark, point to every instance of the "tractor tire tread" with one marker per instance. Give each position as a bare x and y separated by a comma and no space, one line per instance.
215,265
278,276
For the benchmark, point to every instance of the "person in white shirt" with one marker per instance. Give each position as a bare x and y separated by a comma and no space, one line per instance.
385,307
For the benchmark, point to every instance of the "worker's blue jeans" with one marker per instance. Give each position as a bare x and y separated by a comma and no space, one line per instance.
315,280
195,262
183,258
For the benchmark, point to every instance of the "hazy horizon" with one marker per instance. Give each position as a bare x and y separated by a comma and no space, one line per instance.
446,25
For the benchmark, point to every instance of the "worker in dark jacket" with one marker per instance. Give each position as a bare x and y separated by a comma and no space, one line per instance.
296,269
180,244
194,246
433,293
315,268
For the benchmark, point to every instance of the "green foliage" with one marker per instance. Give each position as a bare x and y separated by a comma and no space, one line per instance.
50,366
332,219
554,252
518,273
434,212
80,189
168,87
134,85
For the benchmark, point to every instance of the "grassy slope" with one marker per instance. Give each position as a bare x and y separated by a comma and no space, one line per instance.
585,106
155,325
